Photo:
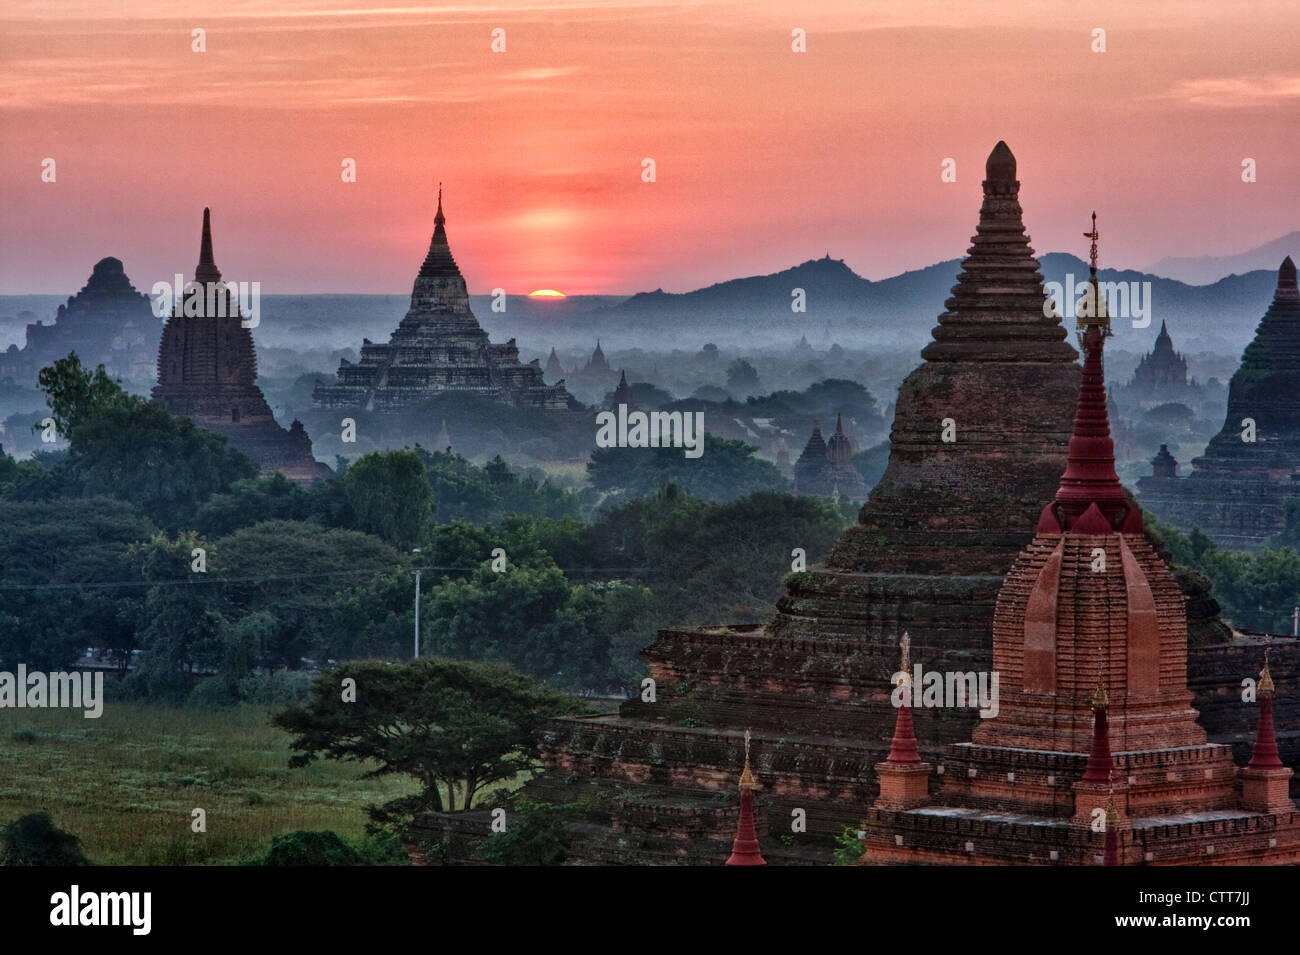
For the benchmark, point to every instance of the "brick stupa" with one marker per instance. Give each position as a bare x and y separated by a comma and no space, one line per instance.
439,348
1236,491
207,371
1095,719
107,323
927,556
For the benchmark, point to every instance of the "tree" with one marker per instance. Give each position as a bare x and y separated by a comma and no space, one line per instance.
75,395
725,471
311,848
182,619
298,573
390,496
52,557
34,839
527,616
449,725
538,834
742,377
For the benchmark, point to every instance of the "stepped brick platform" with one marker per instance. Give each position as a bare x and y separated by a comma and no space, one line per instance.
107,323
439,347
207,371
1089,603
1237,489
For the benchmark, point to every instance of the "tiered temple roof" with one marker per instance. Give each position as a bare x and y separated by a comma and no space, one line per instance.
207,371
438,348
108,322
1237,489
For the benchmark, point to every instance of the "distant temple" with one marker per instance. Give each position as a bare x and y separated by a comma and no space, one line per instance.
554,370
826,468
207,371
108,322
597,362
1237,489
1161,376
439,348
623,393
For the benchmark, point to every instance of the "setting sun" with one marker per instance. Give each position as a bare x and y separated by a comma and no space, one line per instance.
546,293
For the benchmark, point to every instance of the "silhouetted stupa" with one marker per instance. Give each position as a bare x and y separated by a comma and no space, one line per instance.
1237,489
207,371
439,348
108,322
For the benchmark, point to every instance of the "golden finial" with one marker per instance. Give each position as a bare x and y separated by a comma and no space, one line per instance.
905,662
747,780
1112,814
1096,313
1100,698
1265,678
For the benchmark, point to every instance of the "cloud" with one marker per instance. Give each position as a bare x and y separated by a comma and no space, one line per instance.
1238,91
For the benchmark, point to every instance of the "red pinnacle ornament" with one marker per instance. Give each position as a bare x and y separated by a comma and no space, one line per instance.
902,749
1100,765
744,850
1265,755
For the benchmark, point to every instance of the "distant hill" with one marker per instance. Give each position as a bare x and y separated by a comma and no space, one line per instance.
1205,269
900,311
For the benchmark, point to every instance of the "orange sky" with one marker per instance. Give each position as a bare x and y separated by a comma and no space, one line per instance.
765,157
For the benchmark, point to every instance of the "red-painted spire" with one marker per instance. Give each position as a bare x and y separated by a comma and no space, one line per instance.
1265,755
1090,479
744,849
1110,855
902,749
1100,765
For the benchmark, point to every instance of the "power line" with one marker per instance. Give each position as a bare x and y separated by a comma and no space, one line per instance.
205,579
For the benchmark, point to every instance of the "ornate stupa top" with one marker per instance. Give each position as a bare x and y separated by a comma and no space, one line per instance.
747,780
1090,499
1093,313
1265,678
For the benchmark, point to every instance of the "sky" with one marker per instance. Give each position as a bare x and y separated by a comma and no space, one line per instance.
764,157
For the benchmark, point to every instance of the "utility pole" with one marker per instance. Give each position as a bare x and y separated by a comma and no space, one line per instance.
416,550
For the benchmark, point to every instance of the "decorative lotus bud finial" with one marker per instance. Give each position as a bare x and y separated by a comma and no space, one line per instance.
747,780
1265,678
905,661
1100,698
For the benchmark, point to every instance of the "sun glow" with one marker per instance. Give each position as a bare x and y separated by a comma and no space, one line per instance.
546,293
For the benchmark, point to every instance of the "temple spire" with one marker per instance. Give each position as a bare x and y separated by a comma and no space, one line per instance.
1110,855
1090,499
1264,755
1287,288
206,271
902,749
1100,764
744,849
439,262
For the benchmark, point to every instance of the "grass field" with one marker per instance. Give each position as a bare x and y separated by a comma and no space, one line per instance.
126,783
